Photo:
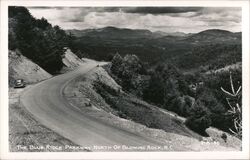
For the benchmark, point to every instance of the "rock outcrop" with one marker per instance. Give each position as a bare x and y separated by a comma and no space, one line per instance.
70,60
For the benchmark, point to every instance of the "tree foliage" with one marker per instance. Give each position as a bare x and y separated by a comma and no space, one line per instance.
37,39
128,71
165,85
199,119
170,89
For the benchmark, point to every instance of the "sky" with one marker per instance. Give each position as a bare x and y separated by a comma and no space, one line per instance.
166,19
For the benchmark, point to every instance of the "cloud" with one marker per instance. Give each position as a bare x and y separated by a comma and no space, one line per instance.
168,19
161,10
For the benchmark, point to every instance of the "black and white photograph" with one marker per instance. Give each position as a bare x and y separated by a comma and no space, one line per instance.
125,79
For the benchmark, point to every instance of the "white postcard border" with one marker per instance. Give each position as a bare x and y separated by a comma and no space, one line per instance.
4,151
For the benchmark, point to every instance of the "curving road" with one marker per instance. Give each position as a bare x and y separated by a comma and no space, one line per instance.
47,104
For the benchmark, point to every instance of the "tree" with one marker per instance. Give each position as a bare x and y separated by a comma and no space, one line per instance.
199,119
42,23
37,39
116,63
128,71
155,91
217,110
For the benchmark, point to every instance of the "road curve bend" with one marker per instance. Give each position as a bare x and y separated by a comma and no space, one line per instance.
46,103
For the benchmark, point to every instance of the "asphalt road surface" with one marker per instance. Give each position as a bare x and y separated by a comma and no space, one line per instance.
46,103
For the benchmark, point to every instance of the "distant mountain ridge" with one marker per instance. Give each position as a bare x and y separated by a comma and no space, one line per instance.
124,32
111,32
154,47
215,35
178,34
145,32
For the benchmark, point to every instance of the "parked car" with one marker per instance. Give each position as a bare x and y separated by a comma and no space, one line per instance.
19,83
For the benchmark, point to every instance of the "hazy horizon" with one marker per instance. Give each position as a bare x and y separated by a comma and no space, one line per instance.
152,31
165,19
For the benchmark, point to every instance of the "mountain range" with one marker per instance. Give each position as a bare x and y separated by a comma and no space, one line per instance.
157,47
113,32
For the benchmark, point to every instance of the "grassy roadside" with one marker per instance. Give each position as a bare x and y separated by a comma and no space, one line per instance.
129,107
28,135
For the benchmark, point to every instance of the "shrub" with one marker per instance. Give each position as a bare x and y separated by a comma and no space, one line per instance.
181,105
154,92
199,119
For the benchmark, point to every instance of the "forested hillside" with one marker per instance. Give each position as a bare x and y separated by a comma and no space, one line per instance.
196,96
210,49
37,39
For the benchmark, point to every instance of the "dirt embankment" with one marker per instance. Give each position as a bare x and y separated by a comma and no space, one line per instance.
97,94
70,61
21,67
